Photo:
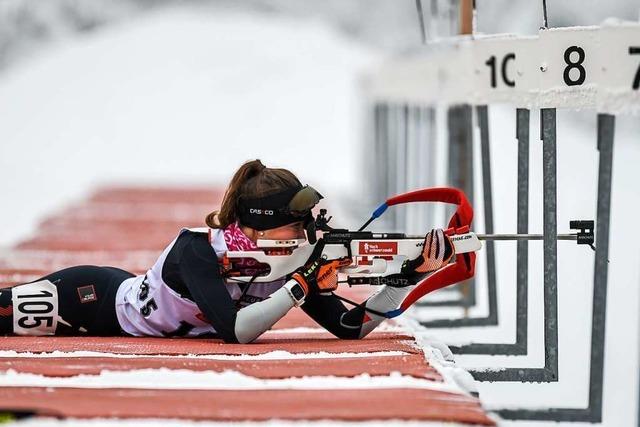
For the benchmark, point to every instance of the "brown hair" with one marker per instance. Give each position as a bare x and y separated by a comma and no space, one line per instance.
252,179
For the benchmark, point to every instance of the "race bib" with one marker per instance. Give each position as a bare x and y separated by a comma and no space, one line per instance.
35,308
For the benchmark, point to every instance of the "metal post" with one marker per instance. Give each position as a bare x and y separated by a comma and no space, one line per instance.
413,169
382,163
593,412
550,244
606,129
460,167
378,153
519,347
474,19
401,163
549,373
391,155
434,18
522,267
415,160
487,192
423,166
460,124
430,141
423,31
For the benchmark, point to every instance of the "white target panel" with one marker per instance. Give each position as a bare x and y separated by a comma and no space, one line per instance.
568,67
573,67
455,73
504,68
619,73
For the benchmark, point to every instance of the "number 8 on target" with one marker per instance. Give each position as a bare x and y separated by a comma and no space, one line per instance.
568,67
574,64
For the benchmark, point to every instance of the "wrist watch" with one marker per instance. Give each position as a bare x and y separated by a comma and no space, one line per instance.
296,292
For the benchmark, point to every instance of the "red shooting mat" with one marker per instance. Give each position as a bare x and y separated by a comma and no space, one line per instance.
128,228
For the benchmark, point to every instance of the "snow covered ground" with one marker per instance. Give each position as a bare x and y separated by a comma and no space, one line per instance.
182,95
178,95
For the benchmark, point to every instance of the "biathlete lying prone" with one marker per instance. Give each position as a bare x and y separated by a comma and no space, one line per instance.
187,293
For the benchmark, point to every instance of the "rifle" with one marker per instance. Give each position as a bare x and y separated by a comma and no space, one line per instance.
377,258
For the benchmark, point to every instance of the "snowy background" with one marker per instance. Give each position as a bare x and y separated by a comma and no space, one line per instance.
119,91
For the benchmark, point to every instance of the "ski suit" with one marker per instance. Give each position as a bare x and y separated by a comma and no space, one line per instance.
184,294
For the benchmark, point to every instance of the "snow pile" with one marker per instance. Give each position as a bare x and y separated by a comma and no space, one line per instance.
272,355
183,379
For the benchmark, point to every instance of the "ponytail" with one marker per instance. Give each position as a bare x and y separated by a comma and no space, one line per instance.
252,179
228,211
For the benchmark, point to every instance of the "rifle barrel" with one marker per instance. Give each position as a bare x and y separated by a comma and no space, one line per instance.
524,236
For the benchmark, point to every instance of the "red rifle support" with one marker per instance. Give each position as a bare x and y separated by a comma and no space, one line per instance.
464,266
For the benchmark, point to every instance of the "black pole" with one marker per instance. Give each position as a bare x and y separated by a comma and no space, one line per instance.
423,31
545,22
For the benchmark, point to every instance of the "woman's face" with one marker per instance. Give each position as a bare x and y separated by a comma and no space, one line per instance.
286,232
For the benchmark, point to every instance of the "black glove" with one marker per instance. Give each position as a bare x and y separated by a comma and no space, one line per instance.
319,275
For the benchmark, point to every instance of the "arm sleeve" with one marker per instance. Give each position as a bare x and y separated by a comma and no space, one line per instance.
199,270
328,311
201,274
356,323
257,318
